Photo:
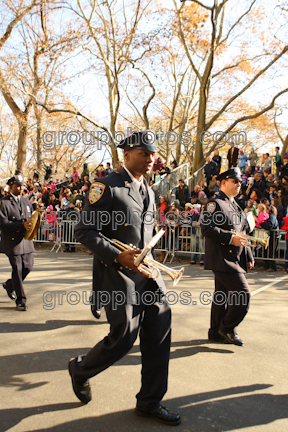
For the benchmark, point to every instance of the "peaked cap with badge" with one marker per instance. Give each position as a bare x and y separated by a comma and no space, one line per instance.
145,140
231,173
17,179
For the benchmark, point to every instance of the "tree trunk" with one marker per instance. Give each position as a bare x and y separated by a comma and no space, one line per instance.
199,157
285,145
22,143
38,139
115,158
168,156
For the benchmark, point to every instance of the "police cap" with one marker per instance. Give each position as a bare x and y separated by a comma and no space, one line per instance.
145,140
17,179
233,173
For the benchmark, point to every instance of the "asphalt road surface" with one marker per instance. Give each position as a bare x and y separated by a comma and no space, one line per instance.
215,387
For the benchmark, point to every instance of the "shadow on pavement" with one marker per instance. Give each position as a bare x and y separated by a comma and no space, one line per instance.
200,413
56,360
7,327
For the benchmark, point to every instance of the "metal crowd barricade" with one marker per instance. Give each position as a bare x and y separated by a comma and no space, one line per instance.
44,232
276,250
58,232
188,240
195,178
184,240
163,246
170,181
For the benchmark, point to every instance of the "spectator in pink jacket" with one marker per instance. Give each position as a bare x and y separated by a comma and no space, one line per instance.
263,216
75,176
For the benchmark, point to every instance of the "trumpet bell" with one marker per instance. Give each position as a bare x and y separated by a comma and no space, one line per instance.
178,276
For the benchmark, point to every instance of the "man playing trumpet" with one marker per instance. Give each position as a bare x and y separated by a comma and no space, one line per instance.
15,220
121,206
228,256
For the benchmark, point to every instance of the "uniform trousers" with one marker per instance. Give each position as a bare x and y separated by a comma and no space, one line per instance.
21,267
230,302
154,323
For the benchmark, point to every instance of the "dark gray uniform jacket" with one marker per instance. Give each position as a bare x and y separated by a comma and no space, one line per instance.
220,255
115,208
12,230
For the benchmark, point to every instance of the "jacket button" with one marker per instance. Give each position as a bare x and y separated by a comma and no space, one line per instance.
120,268
230,251
223,244
125,224
13,217
105,265
21,214
12,238
101,262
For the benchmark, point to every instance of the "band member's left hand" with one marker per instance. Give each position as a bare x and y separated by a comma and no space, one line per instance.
27,225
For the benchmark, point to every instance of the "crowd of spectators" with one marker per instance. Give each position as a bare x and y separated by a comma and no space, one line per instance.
55,199
263,193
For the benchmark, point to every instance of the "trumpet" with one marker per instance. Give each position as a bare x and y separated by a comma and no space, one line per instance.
150,267
251,241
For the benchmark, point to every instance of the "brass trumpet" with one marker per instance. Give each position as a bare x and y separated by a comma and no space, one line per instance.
150,267
251,241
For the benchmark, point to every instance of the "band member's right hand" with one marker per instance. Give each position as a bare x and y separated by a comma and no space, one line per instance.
239,241
126,259
27,224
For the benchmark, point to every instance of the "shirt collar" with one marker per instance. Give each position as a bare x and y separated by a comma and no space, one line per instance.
231,199
138,183
17,198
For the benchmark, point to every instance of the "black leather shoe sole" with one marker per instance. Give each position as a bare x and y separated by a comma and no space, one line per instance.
156,417
21,307
81,390
218,338
10,295
237,341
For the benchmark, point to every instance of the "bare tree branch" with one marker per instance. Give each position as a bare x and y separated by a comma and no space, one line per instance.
233,98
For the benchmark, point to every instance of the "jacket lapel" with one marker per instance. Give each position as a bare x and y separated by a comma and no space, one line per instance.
15,204
132,189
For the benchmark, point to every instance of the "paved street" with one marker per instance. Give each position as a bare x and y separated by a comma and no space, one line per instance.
215,387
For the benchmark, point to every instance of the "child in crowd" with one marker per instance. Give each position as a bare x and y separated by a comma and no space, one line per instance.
157,176
244,178
251,208
263,216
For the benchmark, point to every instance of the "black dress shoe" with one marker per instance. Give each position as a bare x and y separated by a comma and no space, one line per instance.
161,414
81,388
10,295
96,313
21,307
232,338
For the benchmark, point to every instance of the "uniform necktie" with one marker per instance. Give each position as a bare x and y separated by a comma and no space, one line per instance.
240,213
143,196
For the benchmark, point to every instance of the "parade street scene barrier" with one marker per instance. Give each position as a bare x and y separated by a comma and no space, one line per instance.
185,240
